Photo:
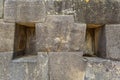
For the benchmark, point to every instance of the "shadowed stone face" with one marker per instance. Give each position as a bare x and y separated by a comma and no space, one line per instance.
24,11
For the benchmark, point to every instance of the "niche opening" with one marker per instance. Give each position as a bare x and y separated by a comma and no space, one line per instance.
25,40
93,35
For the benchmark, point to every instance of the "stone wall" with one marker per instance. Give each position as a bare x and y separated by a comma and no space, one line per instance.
59,40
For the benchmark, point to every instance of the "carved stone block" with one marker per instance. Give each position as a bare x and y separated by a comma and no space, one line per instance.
66,66
24,11
60,33
6,36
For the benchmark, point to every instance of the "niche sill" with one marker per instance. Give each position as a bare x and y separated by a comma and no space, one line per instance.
29,58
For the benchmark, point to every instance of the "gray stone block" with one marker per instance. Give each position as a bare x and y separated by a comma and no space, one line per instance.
5,59
6,36
109,45
77,35
23,71
66,66
113,41
23,68
29,68
102,69
24,11
59,33
59,7
87,11
1,8
42,66
99,11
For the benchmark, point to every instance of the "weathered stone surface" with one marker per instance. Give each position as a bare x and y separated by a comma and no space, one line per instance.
5,59
23,68
23,71
42,66
98,11
101,69
109,45
1,8
24,11
59,6
59,33
30,68
66,66
77,35
87,11
102,11
6,36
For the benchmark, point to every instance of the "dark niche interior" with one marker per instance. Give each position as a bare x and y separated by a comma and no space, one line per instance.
93,39
25,40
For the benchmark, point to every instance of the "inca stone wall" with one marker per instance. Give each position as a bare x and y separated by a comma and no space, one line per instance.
59,40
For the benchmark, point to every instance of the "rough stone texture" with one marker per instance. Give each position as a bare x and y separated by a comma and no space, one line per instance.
109,45
25,68
87,11
5,59
1,8
42,66
30,68
59,33
24,11
59,6
101,69
77,35
102,11
66,66
22,71
6,36
60,36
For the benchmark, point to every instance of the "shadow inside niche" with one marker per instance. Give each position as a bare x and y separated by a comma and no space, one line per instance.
94,40
24,41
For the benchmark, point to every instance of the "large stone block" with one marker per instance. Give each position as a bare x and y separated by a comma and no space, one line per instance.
87,11
1,8
59,6
5,59
42,66
77,35
6,36
59,33
109,45
24,11
66,66
29,68
98,11
101,69
23,71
